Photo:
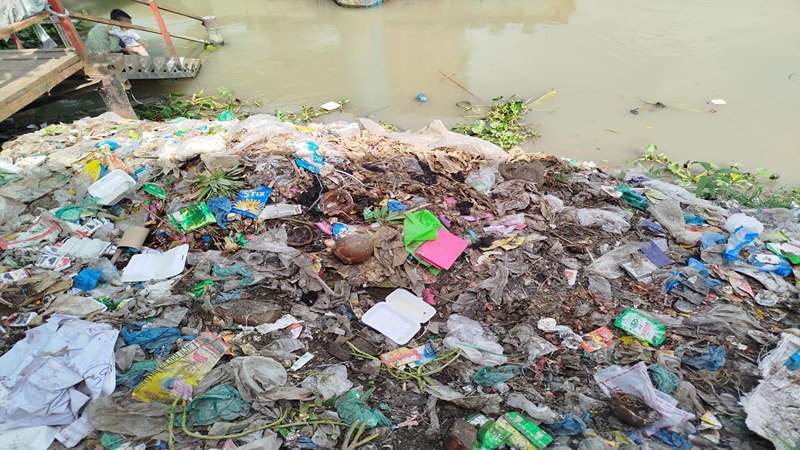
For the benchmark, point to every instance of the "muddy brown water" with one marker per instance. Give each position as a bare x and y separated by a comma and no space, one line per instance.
602,56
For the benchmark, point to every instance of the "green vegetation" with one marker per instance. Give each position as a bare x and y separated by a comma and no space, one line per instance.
750,189
195,106
219,183
388,126
500,124
307,113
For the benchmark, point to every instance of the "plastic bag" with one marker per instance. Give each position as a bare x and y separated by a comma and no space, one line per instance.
420,226
9,214
609,221
542,413
330,383
489,376
137,373
668,214
634,380
712,359
678,194
663,379
569,425
773,407
220,404
436,135
634,199
237,269
477,344
741,237
568,337
527,341
351,407
87,279
256,375
158,341
108,271
137,419
482,180
220,207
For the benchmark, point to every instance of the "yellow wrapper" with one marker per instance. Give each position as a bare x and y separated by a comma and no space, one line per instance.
189,364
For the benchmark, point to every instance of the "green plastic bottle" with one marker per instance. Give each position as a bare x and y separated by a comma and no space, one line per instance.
640,326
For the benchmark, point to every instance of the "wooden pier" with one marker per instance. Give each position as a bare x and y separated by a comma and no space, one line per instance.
28,75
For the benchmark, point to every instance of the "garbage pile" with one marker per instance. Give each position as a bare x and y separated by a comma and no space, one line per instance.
252,284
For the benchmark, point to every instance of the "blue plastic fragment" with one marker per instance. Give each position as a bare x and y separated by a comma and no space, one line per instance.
739,238
673,439
793,363
692,219
652,226
87,279
713,359
158,341
713,238
570,425
395,206
220,207
695,264
112,145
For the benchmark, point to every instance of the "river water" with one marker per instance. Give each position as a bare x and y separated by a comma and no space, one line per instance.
603,57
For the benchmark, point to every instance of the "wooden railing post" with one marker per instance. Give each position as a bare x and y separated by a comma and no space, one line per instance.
163,28
69,29
214,35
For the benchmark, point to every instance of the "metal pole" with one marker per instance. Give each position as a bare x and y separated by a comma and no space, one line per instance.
172,10
163,28
132,26
69,29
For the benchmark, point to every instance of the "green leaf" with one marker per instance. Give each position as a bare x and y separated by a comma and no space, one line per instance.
705,165
703,183
761,172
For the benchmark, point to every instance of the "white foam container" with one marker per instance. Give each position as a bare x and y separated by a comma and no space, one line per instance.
112,187
400,317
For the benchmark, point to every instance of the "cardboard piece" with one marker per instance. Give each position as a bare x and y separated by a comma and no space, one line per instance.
155,267
134,237
443,251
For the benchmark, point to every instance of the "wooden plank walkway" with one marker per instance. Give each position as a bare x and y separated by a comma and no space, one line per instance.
25,75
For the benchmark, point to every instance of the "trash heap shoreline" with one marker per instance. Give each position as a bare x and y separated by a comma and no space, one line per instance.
253,284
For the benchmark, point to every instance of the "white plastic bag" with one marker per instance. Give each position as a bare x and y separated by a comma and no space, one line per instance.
635,380
609,221
478,345
482,180
772,407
